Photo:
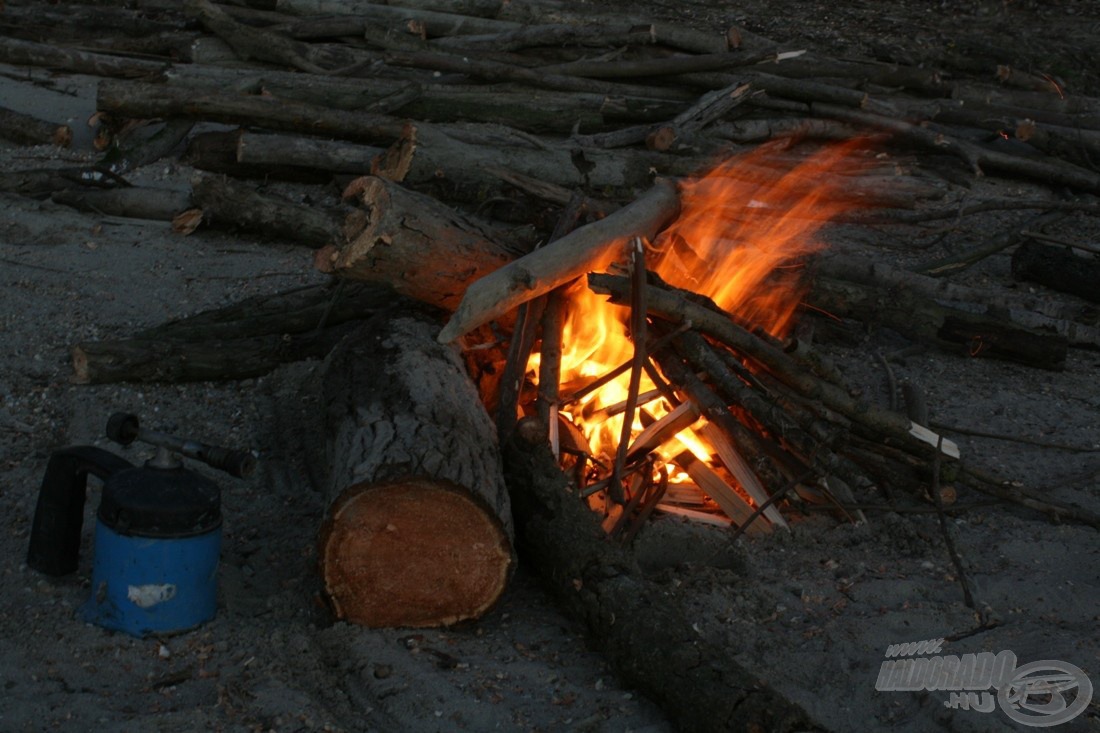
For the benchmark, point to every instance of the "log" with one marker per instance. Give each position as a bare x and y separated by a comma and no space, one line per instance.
26,129
29,53
419,531
524,108
915,316
589,248
1057,268
229,204
136,202
137,100
1030,311
638,624
422,248
334,156
242,340
427,153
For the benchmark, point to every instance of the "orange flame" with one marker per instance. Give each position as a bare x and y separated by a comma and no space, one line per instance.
744,221
742,229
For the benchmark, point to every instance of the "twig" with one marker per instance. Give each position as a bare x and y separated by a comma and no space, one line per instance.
1058,240
948,538
1014,438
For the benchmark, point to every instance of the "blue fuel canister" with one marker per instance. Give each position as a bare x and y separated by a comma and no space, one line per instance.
157,534
157,543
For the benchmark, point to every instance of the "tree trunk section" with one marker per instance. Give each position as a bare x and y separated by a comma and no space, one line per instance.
419,528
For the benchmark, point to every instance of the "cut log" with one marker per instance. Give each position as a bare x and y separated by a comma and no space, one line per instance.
137,100
158,204
419,530
915,316
420,247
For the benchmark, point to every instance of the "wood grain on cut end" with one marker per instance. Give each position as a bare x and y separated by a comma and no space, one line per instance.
413,553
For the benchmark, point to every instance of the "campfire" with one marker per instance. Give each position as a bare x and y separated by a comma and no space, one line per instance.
742,240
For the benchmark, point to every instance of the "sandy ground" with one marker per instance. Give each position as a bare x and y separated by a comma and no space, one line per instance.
813,611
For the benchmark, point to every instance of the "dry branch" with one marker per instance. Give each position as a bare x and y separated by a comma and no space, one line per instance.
675,309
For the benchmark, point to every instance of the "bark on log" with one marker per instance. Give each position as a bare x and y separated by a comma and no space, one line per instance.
420,247
228,204
246,339
333,156
144,101
1029,311
170,361
159,204
28,53
524,108
589,248
419,529
638,624
29,130
426,153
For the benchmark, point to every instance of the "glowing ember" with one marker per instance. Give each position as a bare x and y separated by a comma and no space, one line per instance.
742,230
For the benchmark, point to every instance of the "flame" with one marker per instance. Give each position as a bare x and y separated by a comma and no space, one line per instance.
742,230
746,220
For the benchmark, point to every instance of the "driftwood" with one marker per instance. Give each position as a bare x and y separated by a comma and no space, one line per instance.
419,530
